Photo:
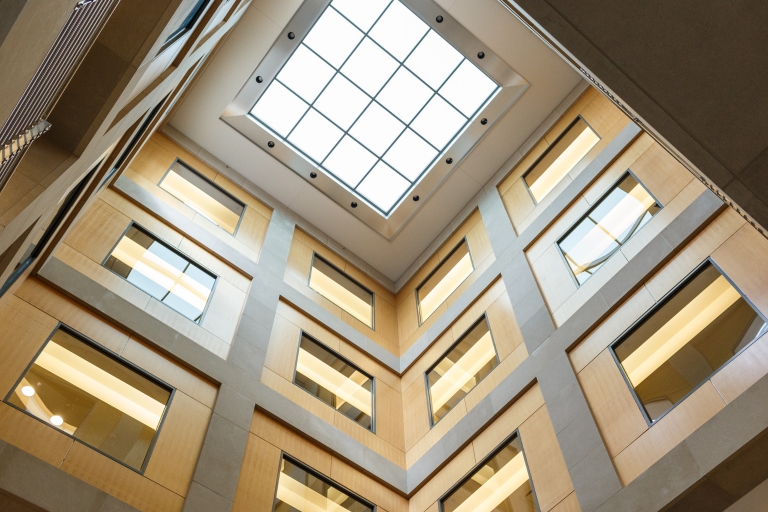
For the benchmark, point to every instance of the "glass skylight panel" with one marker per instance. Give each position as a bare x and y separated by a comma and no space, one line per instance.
376,72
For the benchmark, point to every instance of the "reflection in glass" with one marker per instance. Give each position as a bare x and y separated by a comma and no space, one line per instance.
299,489
94,398
335,286
203,196
607,226
335,381
502,484
686,339
460,370
451,272
559,159
162,272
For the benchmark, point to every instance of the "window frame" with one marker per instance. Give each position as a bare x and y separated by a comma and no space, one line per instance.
193,16
210,182
586,214
358,283
660,303
434,271
495,451
170,247
118,359
303,333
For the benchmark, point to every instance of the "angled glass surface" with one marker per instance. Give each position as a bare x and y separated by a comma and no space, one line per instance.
444,280
559,159
300,489
607,226
461,369
501,484
162,272
690,335
94,398
335,381
203,196
337,287
373,96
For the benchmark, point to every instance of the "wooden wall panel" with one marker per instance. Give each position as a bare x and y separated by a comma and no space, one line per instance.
261,465
501,428
569,504
415,413
744,258
389,416
738,375
33,436
365,486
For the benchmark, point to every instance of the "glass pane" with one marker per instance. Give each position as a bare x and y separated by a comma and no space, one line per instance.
92,397
334,381
433,60
369,67
342,102
459,371
404,95
305,73
607,226
362,14
376,129
383,186
438,122
501,484
350,161
398,30
162,272
301,489
333,38
315,135
335,286
279,109
468,88
686,339
203,196
410,155
451,272
559,159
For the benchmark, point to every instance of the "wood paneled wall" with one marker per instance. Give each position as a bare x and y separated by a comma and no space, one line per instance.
99,229
664,177
154,160
601,115
742,253
28,319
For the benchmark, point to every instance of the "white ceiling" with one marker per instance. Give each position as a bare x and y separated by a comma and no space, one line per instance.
550,78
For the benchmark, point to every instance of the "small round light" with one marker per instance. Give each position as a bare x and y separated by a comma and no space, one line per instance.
449,160
439,19
484,121
416,198
28,391
259,79
354,204
313,175
481,55
271,144
291,35
57,420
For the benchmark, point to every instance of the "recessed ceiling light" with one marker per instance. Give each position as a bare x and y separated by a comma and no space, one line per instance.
28,391
57,420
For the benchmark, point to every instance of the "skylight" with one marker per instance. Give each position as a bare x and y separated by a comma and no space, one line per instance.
373,96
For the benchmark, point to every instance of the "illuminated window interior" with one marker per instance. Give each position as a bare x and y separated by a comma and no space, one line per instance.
203,196
607,226
94,398
162,272
335,381
559,159
337,287
686,339
373,96
300,489
501,484
451,272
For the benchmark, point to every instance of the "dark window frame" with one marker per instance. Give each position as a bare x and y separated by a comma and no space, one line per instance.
315,254
186,26
434,271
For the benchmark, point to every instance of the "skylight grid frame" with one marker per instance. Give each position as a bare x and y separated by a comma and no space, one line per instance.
237,114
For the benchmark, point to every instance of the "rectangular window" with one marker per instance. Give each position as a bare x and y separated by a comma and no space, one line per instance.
162,272
94,397
302,489
444,280
500,484
683,341
560,158
606,227
461,369
340,289
203,196
335,381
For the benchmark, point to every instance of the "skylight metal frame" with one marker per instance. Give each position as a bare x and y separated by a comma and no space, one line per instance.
237,114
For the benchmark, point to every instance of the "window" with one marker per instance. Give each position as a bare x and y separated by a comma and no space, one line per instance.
559,159
337,287
682,342
373,96
203,196
606,227
186,24
500,484
302,489
162,272
461,369
96,397
335,381
444,280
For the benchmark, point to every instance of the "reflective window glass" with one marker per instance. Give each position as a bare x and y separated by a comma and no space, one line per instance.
162,272
451,272
605,228
685,339
94,398
335,381
337,287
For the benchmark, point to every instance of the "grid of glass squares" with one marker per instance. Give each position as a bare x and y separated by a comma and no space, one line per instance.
373,96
